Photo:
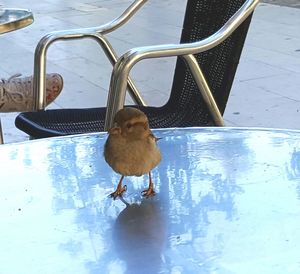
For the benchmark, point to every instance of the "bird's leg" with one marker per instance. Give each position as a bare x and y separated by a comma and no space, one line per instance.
119,191
150,191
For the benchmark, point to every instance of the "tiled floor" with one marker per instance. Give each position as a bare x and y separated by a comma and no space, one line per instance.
266,91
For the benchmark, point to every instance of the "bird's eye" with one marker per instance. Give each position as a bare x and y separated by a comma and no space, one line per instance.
129,125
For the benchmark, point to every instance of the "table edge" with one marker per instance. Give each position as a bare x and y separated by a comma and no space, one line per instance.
202,129
22,23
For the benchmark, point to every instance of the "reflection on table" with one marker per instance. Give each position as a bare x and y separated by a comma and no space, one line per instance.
227,202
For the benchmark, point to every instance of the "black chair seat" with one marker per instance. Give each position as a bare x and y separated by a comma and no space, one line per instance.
50,123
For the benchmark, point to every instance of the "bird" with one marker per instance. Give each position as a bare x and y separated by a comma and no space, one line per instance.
131,148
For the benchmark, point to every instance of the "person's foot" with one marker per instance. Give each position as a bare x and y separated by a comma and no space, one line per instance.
16,93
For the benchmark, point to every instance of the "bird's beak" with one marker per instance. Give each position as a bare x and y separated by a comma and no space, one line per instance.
155,138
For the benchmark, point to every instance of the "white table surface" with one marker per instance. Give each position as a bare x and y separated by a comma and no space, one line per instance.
228,201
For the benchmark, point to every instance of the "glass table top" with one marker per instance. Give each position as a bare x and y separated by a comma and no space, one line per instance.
228,201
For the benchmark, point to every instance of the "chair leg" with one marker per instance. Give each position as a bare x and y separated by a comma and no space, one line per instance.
204,89
1,135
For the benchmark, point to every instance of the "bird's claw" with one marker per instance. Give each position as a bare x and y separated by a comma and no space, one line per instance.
148,193
118,192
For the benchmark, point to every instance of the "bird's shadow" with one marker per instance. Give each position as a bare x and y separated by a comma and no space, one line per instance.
139,235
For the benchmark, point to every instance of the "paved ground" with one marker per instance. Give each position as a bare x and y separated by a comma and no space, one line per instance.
286,3
266,91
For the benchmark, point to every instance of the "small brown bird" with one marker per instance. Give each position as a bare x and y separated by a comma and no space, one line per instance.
131,148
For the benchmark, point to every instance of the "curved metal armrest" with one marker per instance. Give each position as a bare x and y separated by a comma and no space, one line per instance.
96,33
125,63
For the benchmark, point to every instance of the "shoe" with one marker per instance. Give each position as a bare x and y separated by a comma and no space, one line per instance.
16,94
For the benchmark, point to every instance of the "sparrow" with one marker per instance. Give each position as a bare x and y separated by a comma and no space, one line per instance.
131,148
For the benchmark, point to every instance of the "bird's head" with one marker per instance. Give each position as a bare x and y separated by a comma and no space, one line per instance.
130,123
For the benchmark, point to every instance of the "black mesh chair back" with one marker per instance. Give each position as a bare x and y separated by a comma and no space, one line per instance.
185,107
203,18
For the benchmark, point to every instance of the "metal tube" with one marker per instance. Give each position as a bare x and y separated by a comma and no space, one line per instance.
117,90
169,50
123,18
40,67
121,70
112,56
39,84
39,76
204,89
1,135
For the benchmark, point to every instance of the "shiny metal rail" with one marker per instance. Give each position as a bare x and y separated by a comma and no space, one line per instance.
95,33
1,135
125,63
202,84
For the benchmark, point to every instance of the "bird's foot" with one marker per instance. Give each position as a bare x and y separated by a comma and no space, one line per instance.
148,192
118,192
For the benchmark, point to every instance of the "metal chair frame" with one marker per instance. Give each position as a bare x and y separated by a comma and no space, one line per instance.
120,78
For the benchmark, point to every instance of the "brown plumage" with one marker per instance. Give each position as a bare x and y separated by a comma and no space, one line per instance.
131,149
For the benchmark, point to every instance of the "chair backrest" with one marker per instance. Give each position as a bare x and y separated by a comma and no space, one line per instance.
203,18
